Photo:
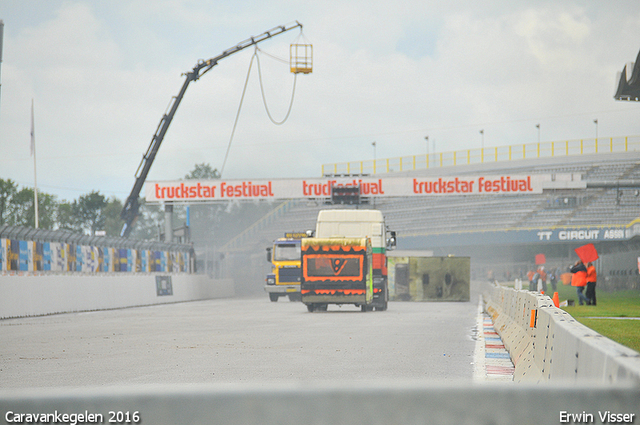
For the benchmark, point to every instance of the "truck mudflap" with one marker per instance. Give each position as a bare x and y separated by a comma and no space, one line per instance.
334,296
380,293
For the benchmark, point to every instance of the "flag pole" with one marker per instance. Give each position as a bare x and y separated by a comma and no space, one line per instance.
33,152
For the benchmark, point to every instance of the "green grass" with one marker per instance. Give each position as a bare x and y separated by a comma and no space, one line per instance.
610,304
625,332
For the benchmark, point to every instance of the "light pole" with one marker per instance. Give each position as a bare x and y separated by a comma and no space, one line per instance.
426,138
374,157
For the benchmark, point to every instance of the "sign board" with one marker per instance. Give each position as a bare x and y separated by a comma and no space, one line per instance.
226,190
296,235
164,286
519,237
587,253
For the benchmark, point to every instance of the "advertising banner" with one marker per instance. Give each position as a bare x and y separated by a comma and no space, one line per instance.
46,256
23,256
225,190
3,255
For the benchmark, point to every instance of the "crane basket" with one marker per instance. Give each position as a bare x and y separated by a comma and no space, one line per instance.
301,58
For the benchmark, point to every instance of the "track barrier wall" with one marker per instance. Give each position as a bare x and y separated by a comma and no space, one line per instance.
336,404
547,344
22,296
556,349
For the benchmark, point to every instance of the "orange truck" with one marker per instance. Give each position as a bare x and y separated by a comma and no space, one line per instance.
367,223
337,271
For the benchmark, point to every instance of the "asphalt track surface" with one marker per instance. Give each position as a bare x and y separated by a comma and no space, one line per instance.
240,340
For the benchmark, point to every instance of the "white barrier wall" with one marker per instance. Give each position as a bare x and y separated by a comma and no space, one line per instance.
547,344
22,296
370,403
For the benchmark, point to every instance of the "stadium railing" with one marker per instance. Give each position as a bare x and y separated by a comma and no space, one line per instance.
486,155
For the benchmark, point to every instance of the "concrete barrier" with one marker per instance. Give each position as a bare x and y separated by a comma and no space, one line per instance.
547,344
22,296
336,404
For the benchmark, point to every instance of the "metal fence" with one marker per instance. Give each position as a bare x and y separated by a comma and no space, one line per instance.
486,155
29,250
69,237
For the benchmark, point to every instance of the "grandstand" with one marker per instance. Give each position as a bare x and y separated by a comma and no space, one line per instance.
481,213
489,228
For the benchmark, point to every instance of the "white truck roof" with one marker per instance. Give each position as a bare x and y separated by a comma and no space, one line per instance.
352,224
351,215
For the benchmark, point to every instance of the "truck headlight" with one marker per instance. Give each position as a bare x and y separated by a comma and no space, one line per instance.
271,280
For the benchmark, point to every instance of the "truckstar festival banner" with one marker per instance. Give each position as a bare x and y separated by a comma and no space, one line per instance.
226,190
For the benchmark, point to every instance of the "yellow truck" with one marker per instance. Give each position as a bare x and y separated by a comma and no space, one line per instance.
284,256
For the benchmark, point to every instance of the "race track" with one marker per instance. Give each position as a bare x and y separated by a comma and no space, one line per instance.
240,340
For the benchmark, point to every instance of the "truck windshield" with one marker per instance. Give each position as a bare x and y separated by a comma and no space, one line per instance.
287,252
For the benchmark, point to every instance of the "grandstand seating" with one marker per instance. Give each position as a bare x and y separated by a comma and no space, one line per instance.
446,214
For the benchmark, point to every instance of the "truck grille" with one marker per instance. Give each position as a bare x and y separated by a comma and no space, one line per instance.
289,274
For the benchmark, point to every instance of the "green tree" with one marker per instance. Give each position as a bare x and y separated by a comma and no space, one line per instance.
8,188
90,211
47,210
112,221
66,216
22,212
149,218
203,171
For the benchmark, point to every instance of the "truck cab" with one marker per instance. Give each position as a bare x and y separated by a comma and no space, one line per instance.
284,256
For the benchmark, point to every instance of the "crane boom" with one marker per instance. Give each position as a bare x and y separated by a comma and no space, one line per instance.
131,207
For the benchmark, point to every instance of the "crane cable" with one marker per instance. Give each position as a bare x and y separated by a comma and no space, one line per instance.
264,101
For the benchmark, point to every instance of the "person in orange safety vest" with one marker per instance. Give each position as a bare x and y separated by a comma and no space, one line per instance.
543,278
579,280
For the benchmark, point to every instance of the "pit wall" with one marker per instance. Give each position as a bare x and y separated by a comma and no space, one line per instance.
547,344
22,296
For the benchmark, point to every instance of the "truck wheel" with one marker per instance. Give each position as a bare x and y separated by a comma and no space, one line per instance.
295,297
273,297
311,307
322,307
382,307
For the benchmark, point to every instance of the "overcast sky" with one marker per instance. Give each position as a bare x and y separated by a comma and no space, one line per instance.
102,73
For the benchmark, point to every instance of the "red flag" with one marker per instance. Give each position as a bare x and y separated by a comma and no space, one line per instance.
587,253
540,259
